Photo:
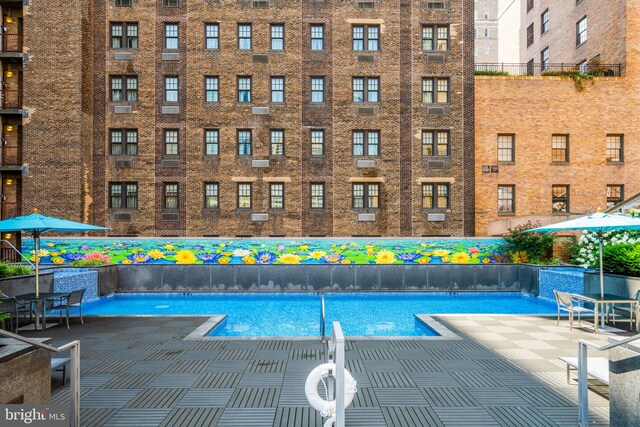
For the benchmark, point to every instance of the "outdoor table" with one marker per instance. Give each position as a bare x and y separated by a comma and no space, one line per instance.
42,297
599,300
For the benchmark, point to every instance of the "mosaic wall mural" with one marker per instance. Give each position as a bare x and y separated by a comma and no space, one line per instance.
270,251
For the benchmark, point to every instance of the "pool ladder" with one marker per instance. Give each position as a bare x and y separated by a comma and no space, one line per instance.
322,318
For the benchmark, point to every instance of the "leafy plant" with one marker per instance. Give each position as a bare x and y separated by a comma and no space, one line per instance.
538,246
9,270
622,259
520,257
88,263
575,74
490,73
587,251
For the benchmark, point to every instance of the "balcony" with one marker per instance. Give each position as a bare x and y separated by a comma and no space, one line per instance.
11,46
10,101
531,69
11,158
9,209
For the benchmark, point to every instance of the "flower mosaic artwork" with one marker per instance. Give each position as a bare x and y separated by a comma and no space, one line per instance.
63,251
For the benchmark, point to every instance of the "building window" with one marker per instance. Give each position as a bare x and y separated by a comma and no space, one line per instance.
277,36
317,195
560,198
615,194
317,142
529,35
544,22
123,141
317,89
171,195
506,198
123,195
171,142
211,142
244,89
277,142
615,145
435,37
171,89
366,37
124,2
435,90
366,89
124,35
530,67
581,31
212,36
529,5
244,142
171,3
435,142
276,195
277,89
212,89
244,195
506,148
560,148
366,142
486,33
317,37
211,195
244,36
171,36
124,88
435,196
544,59
366,195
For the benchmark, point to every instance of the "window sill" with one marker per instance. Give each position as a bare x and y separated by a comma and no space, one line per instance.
503,214
581,44
560,213
611,163
560,163
436,210
447,157
211,209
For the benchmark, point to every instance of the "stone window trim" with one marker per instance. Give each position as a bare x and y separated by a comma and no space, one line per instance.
124,138
123,35
123,195
211,196
366,196
433,194
506,199
277,196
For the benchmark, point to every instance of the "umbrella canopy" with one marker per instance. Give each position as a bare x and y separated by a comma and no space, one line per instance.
37,224
600,223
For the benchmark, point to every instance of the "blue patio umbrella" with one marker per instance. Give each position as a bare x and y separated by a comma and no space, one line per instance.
36,224
600,223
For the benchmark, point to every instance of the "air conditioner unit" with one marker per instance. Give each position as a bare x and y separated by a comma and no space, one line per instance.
365,164
170,217
123,163
435,217
259,163
259,217
366,217
122,109
171,56
260,58
259,110
435,110
170,109
122,217
123,56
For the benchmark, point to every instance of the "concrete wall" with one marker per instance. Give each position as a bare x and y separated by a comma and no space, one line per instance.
26,377
214,278
613,284
26,284
624,377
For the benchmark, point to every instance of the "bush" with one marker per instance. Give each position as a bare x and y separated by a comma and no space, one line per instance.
586,251
537,246
88,263
9,270
622,259
490,73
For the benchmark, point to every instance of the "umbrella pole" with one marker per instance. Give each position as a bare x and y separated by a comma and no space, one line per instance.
601,280
37,255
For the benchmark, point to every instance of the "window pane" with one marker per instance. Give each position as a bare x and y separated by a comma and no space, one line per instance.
358,195
211,196
559,148
505,148
244,143
443,196
317,37
132,36
211,142
244,195
443,90
427,196
427,91
317,89
171,142
373,38
277,142
132,89
132,196
211,89
171,196
116,196
171,89
505,199
373,196
132,143
358,143
116,36
358,89
171,36
443,38
277,37
427,38
373,143
317,143
116,142
427,143
317,195
373,84
614,148
212,36
276,196
244,36
116,89
443,143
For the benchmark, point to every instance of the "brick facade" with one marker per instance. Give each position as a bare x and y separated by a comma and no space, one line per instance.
70,174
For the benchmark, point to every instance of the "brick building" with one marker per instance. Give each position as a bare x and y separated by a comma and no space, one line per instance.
547,150
241,117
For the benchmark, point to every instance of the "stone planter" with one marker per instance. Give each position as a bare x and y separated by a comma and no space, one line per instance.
25,373
613,284
17,285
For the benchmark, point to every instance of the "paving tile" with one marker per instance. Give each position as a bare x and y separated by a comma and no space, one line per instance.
137,417
209,397
399,416
400,397
245,417
108,398
218,380
192,417
228,366
496,397
434,379
174,380
466,417
96,417
364,417
390,379
261,380
158,398
254,397
129,380
525,416
448,397
149,366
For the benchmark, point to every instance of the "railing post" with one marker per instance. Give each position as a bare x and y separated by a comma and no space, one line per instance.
75,385
583,386
338,337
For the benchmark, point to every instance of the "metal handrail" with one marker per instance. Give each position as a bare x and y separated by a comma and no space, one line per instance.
540,69
74,350
19,253
583,373
323,325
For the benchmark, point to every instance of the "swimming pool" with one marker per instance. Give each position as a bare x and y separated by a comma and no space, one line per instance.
298,314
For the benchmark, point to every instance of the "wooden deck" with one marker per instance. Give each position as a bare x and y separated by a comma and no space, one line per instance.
503,372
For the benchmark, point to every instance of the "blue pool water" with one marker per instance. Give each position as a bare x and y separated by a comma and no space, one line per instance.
298,314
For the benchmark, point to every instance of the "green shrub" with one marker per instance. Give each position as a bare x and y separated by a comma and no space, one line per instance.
87,263
9,270
622,259
537,246
491,73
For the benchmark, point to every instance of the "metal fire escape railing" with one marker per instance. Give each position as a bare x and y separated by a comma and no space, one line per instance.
583,374
74,350
13,249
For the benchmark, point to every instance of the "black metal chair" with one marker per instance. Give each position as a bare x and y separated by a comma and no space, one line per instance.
74,300
13,308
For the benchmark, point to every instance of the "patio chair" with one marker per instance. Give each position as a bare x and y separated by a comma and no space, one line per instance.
567,303
74,300
12,307
631,311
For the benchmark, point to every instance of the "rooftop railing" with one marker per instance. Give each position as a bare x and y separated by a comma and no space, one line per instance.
530,69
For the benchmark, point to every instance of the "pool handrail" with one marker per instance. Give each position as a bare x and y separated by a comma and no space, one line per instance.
322,319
